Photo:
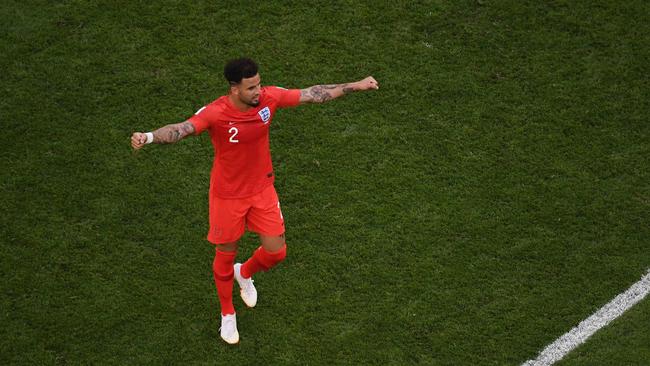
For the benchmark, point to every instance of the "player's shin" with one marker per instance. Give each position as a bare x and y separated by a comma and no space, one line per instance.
222,268
263,260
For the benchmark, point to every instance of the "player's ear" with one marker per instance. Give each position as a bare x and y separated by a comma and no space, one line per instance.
234,89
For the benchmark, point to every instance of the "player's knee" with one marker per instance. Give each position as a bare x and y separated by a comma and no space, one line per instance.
275,257
227,247
281,254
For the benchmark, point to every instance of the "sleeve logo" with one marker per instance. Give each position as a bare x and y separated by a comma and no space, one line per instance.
265,114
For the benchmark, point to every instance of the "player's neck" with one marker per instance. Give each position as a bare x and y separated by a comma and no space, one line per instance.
241,106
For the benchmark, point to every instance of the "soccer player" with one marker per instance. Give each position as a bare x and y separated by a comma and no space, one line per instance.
242,195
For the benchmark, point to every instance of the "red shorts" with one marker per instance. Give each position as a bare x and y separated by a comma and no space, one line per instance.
259,213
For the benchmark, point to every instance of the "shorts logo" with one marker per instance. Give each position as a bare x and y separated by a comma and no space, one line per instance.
265,114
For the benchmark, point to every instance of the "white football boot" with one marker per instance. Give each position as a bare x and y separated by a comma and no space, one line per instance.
228,329
247,289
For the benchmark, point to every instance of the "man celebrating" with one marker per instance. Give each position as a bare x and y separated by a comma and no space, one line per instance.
242,194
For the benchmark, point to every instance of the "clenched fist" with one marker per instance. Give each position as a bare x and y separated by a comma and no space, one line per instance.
138,140
368,83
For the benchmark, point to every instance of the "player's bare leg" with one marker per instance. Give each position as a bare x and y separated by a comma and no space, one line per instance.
222,268
228,247
272,251
273,243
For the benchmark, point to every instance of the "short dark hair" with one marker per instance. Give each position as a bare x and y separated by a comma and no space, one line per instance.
238,69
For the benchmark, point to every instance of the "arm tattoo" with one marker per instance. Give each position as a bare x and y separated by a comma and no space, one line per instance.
320,93
323,93
187,127
173,133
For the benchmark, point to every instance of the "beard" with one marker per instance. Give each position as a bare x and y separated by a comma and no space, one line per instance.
252,102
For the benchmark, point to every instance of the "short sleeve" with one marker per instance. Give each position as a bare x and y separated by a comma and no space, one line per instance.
285,97
200,121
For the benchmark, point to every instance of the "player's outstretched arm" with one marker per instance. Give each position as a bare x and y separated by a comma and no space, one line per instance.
323,93
165,135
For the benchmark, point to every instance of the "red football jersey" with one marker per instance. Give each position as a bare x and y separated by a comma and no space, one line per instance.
242,157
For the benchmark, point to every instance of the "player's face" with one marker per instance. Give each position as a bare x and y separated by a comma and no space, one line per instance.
248,90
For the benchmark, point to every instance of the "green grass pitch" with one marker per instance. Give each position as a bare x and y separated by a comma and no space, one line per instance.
491,195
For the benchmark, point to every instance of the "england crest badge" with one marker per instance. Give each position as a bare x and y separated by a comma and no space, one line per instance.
265,114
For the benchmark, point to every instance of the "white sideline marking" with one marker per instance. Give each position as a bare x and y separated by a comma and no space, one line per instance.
578,335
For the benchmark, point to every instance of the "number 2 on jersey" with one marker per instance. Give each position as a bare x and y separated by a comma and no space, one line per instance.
234,131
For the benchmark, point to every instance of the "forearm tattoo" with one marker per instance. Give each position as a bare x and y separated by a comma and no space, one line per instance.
173,133
323,93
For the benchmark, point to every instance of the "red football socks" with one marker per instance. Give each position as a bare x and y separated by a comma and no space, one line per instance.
222,268
262,260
